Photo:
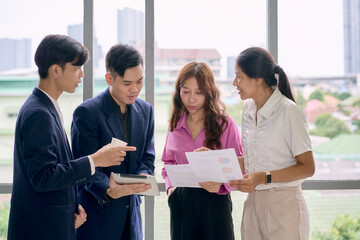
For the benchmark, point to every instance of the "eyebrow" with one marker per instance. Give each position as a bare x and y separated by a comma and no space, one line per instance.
197,89
129,81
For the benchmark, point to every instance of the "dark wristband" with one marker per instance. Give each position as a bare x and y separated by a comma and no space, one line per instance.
107,198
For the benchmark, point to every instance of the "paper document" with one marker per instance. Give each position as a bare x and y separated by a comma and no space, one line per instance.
206,166
132,178
117,143
182,175
216,165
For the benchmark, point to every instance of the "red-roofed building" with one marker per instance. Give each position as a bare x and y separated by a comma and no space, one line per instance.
331,101
169,62
314,108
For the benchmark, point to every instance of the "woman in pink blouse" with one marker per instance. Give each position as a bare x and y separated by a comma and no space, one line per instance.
198,120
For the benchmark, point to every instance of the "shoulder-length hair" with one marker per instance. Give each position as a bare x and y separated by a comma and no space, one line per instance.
214,108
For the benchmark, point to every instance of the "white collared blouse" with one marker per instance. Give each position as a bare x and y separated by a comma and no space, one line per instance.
279,134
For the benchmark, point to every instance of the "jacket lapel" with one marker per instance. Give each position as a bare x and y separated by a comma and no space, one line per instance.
47,102
112,115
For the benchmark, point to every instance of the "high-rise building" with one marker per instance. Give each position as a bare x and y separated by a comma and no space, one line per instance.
352,36
15,53
131,26
230,67
76,32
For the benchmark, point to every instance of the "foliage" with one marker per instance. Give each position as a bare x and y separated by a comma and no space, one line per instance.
357,124
345,227
317,94
329,126
356,103
343,109
235,111
300,100
340,96
4,219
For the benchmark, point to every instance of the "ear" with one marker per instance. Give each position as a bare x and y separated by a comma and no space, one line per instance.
108,79
55,71
260,81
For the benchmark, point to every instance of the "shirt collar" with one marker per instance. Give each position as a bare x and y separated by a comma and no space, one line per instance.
114,104
251,111
182,122
269,107
56,105
126,109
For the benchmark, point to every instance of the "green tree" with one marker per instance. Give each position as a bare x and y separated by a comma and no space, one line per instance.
329,126
4,219
345,227
356,103
340,96
344,96
300,100
235,111
357,124
317,94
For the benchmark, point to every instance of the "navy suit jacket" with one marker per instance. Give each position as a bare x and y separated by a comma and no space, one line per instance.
43,200
95,122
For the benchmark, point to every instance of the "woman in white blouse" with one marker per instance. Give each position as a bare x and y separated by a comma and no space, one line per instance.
277,151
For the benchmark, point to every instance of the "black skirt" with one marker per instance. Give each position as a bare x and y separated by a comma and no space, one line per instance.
196,214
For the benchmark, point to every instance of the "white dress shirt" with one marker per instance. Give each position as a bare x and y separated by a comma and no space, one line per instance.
57,107
272,142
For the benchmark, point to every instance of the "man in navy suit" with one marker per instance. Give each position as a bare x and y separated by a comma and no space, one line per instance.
112,209
43,202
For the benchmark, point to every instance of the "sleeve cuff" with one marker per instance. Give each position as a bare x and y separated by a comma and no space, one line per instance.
92,165
225,188
167,184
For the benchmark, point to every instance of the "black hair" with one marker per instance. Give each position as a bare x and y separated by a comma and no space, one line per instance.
256,62
59,49
122,57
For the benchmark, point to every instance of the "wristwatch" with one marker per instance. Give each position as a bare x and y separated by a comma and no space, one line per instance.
107,198
267,177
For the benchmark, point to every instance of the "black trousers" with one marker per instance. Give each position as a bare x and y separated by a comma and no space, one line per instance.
196,214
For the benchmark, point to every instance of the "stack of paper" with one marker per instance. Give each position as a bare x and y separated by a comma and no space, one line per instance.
206,166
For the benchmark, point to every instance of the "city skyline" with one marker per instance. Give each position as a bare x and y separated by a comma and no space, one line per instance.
308,46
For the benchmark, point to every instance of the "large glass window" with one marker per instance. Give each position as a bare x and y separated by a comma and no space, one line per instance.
206,31
116,22
18,73
316,53
23,24
319,54
214,32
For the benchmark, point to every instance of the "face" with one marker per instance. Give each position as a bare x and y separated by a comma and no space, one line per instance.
245,85
192,97
68,78
125,90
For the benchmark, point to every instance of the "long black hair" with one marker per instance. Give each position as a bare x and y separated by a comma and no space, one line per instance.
256,62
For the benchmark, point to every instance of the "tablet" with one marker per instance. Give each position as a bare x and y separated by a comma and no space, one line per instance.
121,178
